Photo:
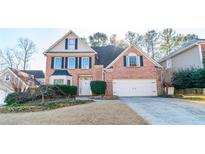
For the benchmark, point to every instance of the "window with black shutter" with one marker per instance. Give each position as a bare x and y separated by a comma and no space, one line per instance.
66,44
141,61
125,61
90,62
76,44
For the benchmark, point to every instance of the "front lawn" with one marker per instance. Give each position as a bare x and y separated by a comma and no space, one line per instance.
38,106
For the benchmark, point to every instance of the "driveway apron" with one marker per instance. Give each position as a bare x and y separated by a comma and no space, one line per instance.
166,111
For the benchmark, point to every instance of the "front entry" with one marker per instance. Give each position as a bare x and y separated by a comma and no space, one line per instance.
84,85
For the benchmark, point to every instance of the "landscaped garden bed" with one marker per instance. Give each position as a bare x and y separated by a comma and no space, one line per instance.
39,106
42,98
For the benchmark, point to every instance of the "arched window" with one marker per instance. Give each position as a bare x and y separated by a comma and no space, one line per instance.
132,59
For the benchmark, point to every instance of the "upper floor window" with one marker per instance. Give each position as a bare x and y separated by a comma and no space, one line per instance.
85,63
7,77
57,62
71,44
133,60
169,63
72,63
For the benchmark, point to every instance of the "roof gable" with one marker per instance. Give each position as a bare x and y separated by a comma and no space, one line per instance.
59,45
139,50
183,47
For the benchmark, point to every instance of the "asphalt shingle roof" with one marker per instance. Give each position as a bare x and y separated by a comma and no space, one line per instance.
106,54
36,73
61,72
27,78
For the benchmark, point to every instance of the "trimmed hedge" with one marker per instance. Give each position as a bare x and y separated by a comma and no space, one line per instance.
68,90
190,78
98,87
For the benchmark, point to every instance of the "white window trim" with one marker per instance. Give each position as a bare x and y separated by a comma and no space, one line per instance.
137,59
82,62
68,62
54,65
71,45
63,77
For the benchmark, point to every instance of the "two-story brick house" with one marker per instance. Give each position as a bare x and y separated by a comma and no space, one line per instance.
128,72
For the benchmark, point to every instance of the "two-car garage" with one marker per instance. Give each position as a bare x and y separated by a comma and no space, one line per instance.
128,87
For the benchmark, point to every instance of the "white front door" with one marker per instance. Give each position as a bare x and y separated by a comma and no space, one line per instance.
84,84
135,87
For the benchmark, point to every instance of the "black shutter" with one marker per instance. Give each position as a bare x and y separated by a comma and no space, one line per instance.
125,60
90,62
79,62
141,61
66,44
76,62
52,62
62,63
76,44
66,62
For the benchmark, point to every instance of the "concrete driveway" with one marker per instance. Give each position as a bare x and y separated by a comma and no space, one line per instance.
167,111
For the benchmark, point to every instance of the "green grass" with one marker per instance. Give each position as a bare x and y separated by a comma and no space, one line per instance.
193,97
39,106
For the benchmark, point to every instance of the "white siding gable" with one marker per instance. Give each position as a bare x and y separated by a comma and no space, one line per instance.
59,46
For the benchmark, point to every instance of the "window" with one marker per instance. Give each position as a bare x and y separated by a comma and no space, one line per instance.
58,81
133,60
71,44
57,62
85,63
68,82
71,63
7,77
169,63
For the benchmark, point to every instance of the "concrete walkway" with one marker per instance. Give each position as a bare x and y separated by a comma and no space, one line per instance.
167,111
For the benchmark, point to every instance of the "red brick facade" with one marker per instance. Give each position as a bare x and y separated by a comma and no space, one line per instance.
119,71
95,72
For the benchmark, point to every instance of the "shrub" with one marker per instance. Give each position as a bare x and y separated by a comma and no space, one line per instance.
182,79
98,87
17,98
68,90
198,78
73,91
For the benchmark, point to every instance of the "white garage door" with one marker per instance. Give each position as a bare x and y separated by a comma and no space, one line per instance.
135,87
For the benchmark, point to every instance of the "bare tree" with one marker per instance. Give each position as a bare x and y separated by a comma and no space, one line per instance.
26,48
10,58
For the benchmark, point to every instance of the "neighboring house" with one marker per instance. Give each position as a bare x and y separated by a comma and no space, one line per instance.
37,74
189,55
12,80
128,72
